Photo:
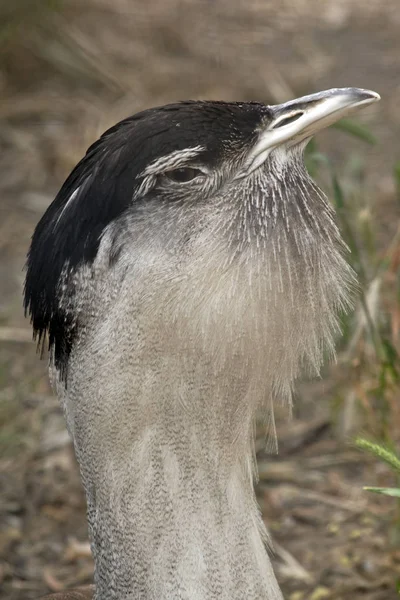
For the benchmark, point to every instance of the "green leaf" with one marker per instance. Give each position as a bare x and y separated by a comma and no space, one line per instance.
355,129
386,491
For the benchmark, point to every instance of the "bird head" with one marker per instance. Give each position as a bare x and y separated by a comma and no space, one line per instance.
202,211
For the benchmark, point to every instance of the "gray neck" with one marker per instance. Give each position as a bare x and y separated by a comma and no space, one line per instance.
185,524
171,506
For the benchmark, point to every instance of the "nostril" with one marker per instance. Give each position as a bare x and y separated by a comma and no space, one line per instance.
289,119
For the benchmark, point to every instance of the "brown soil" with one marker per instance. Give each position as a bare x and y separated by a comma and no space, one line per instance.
63,80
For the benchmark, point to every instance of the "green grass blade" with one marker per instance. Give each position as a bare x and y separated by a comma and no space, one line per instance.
386,491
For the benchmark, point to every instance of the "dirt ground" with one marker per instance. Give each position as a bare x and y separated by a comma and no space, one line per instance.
64,78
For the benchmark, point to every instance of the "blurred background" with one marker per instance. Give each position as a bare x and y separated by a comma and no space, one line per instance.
68,70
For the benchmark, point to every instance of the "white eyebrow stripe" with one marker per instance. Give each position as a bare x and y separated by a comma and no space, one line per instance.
171,161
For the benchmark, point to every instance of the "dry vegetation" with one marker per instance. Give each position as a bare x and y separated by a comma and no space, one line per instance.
70,69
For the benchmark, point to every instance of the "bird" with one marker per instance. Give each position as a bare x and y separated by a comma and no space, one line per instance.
184,277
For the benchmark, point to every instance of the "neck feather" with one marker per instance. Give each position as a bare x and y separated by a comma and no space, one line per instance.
171,507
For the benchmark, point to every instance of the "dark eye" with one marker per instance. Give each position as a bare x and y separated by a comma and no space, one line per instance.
288,120
183,175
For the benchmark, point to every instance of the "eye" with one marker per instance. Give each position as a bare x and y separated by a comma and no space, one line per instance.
288,119
183,175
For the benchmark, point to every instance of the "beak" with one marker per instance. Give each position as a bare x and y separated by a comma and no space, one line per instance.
298,120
